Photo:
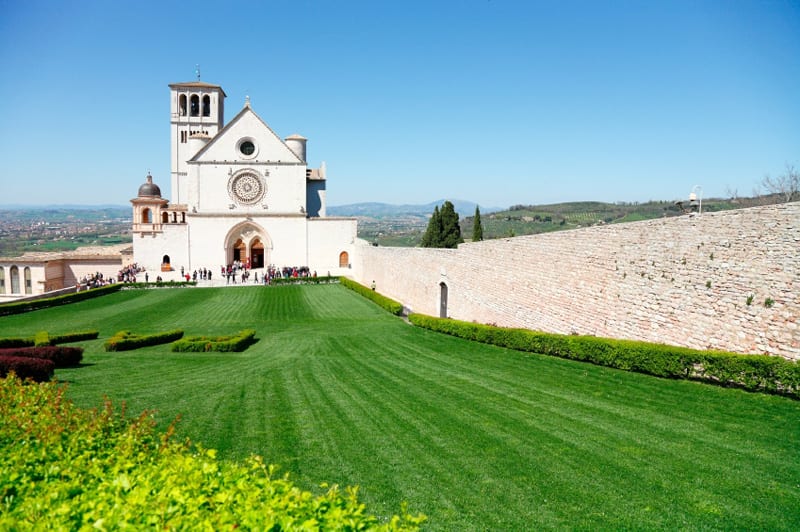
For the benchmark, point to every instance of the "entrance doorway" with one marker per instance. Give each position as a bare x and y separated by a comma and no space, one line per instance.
257,254
442,300
239,251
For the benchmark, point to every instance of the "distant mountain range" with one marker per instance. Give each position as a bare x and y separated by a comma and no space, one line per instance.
388,210
368,209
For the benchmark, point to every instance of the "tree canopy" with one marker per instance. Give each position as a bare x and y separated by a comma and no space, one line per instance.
477,228
443,229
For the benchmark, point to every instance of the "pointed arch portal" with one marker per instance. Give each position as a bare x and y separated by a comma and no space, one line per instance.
249,243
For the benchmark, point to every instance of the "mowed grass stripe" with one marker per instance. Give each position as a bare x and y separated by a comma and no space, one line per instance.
475,436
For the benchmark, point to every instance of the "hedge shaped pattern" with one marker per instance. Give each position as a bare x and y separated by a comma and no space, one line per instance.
18,307
222,344
382,301
43,338
37,369
136,478
126,340
759,373
61,356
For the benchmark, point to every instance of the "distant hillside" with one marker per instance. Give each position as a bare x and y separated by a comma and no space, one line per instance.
387,210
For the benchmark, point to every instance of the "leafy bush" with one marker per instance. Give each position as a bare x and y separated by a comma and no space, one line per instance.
62,357
66,338
18,307
64,468
751,372
38,369
203,344
382,301
16,342
126,340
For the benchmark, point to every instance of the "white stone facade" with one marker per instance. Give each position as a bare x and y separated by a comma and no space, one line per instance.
239,193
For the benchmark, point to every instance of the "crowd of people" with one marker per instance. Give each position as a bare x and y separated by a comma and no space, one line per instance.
128,273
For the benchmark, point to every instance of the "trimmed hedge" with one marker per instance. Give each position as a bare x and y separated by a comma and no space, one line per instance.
18,307
62,357
43,338
126,340
38,369
758,373
66,468
382,301
223,344
304,280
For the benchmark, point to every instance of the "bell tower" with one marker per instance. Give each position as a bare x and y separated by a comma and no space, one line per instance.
196,108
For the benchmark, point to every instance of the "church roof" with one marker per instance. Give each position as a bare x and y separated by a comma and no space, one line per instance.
222,132
199,85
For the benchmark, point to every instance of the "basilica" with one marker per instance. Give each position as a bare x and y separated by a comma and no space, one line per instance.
239,193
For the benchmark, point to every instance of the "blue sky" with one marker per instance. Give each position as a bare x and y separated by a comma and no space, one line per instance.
495,101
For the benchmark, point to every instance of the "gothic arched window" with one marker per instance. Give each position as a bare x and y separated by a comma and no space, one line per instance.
14,280
28,284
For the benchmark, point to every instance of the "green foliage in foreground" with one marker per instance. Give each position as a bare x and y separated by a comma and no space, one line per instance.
63,468
757,373
384,302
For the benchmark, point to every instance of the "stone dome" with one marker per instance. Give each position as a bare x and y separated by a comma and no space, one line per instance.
149,188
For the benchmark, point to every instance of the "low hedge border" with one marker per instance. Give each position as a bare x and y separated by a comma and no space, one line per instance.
758,373
382,301
304,280
18,307
222,344
61,356
37,369
127,341
43,338
159,284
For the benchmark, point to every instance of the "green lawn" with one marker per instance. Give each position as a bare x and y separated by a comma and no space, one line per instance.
474,436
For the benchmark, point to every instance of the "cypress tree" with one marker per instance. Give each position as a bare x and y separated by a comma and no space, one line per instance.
433,234
451,230
477,228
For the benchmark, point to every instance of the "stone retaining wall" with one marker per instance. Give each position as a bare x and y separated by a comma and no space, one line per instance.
683,280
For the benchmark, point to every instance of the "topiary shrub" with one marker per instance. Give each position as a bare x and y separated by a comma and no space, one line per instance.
61,356
37,369
204,344
126,340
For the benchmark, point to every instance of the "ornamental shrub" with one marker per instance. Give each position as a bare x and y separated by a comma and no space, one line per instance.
382,301
37,369
65,468
67,338
126,340
759,373
223,344
16,342
61,356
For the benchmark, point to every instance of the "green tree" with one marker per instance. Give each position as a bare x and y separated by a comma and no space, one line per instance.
433,234
444,230
451,228
477,228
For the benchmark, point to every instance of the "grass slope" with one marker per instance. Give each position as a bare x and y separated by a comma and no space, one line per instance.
474,436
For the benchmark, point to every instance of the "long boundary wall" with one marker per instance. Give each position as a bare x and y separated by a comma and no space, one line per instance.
725,280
